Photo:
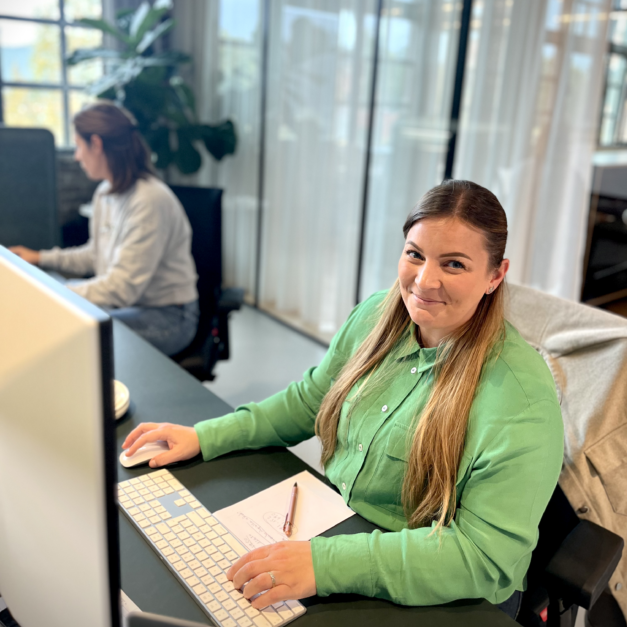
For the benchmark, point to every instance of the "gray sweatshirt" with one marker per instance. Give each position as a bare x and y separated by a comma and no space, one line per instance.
139,250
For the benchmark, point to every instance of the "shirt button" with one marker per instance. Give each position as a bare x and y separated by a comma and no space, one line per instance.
361,448
413,370
384,408
343,486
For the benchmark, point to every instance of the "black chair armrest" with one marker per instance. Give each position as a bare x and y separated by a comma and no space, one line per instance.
231,299
581,568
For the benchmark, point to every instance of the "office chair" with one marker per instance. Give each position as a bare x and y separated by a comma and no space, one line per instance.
28,202
570,567
203,207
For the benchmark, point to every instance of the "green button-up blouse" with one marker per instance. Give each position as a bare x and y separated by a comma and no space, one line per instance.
510,466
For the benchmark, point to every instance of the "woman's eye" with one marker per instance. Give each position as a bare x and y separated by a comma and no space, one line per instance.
413,254
456,265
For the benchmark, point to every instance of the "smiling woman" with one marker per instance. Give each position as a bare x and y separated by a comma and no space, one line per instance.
438,422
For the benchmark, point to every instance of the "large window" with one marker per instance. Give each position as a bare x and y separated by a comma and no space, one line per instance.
36,88
614,119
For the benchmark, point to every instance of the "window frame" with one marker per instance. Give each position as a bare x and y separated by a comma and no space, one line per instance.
64,86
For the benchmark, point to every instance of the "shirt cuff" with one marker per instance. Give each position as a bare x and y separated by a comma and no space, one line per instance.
219,436
342,564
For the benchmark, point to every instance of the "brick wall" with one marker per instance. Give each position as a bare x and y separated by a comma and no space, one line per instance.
73,187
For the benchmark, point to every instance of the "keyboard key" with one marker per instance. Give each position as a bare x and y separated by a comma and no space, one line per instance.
219,529
154,503
199,572
218,542
221,578
222,596
187,573
173,558
144,507
138,501
163,528
168,490
183,491
284,612
194,564
215,570
224,564
236,595
159,493
202,556
154,519
186,523
228,586
189,499
144,491
165,516
192,529
229,622
214,606
234,544
188,557
271,616
199,588
236,613
212,521
169,536
296,607
206,598
214,587
160,509
196,504
221,615
251,612
229,604
188,541
205,528
176,543
205,513
134,481
162,544
144,523
244,603
209,581
212,535
151,531
177,529
231,556
244,621
196,519
168,551
195,549
179,502
180,565
260,621
211,549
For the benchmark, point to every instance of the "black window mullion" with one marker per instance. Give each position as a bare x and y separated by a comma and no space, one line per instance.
64,82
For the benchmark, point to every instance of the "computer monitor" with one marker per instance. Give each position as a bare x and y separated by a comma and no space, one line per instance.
59,555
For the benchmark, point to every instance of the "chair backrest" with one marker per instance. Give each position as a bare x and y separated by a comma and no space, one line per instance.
203,206
28,188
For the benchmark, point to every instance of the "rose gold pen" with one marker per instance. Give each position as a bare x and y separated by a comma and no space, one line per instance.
291,510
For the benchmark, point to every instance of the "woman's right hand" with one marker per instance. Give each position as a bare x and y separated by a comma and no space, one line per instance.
32,256
183,442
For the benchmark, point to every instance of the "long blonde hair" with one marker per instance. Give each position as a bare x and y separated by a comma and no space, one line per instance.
429,488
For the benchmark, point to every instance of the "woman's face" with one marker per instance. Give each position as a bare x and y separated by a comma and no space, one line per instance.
444,273
92,158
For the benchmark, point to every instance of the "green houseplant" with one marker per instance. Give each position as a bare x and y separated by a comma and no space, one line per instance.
148,84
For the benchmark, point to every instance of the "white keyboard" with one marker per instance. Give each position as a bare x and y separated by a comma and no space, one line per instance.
197,549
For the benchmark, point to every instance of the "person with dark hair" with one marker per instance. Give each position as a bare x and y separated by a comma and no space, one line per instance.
438,423
139,249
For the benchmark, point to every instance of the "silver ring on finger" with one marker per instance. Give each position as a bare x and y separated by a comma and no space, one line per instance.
273,579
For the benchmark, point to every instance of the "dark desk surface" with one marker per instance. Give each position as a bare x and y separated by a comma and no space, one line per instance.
163,392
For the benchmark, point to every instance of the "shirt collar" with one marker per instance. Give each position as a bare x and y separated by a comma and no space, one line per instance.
410,349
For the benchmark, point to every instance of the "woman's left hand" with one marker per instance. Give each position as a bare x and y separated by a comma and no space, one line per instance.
290,563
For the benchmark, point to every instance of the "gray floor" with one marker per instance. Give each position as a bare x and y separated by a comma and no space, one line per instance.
266,357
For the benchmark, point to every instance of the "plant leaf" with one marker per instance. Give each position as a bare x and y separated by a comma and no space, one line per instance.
84,54
152,17
138,18
172,57
159,142
186,158
151,36
184,94
104,26
220,139
117,78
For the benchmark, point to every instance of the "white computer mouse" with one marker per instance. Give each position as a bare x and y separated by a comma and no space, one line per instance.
144,454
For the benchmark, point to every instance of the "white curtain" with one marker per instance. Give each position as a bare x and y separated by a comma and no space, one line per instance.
224,39
417,53
532,91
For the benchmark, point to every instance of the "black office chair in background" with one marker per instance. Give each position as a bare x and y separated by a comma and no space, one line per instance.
570,568
28,188
203,207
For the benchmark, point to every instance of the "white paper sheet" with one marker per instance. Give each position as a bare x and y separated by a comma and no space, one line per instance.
258,520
